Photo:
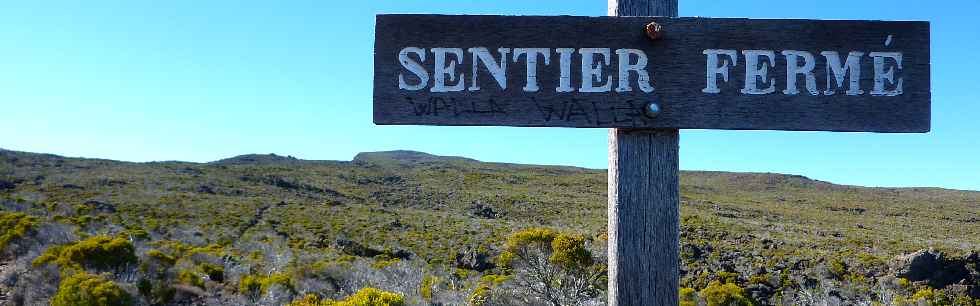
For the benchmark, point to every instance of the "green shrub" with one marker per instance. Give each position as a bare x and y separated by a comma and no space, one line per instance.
214,272
688,297
371,297
308,300
145,287
462,274
256,284
277,279
570,252
83,289
365,297
904,283
870,260
101,252
933,297
188,277
156,292
759,279
250,285
530,236
728,294
137,233
480,296
837,267
926,294
14,226
161,256
180,249
428,283
728,277
567,251
540,236
482,293
383,261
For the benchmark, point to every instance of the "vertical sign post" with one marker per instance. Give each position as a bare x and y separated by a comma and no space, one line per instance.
644,200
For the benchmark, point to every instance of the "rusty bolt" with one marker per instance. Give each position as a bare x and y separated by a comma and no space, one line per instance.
654,30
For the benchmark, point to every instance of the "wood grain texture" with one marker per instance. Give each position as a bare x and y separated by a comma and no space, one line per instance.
666,8
676,64
644,201
644,219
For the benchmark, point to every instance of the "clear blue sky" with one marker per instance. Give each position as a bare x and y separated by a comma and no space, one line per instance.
204,80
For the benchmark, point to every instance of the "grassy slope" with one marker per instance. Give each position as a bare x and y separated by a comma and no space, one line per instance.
423,203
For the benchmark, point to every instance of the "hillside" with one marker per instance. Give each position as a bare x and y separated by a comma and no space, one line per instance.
404,221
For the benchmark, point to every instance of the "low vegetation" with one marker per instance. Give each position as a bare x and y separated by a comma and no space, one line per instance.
364,297
96,252
408,228
14,226
83,289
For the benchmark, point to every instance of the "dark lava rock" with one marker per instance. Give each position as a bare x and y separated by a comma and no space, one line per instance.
100,207
205,189
401,254
760,292
107,182
6,184
809,282
933,267
474,260
691,251
283,183
395,225
356,249
392,179
483,210
835,297
190,171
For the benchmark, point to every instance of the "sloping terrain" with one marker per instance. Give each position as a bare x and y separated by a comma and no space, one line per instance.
386,215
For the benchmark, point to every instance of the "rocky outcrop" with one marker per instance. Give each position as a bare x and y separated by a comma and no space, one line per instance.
483,210
939,270
474,260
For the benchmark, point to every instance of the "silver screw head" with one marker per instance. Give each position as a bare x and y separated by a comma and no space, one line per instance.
651,110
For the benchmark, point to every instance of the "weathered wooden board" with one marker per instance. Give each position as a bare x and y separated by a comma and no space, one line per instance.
679,65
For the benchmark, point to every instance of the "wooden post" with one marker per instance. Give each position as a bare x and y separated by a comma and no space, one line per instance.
644,200
666,8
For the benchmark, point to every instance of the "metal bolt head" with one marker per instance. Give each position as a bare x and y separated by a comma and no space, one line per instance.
651,110
654,30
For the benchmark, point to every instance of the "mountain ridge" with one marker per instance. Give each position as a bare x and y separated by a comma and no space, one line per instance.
417,157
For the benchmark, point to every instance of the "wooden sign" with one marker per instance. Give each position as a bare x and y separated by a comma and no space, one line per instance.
602,72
